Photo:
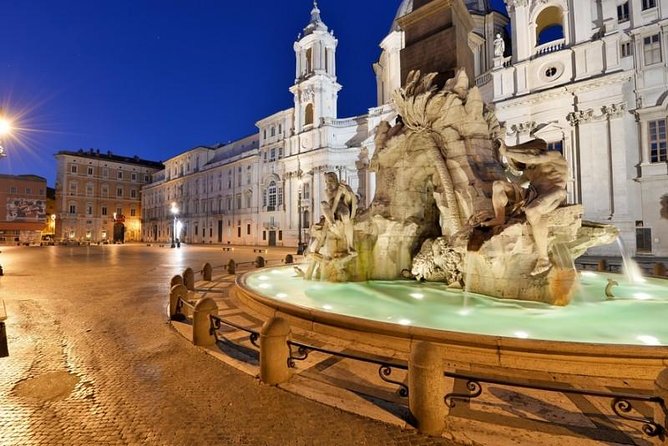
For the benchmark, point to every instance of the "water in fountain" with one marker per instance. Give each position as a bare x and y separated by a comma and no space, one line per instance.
631,269
467,289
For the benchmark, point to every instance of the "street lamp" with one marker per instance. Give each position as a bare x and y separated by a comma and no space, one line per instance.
175,211
5,129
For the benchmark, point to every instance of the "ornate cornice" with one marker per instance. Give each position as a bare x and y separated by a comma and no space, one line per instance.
611,111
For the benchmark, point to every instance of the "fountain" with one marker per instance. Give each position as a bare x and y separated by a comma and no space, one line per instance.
468,244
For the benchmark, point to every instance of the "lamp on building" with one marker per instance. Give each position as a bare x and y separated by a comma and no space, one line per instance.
175,211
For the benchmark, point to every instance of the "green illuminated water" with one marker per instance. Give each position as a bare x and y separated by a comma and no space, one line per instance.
637,316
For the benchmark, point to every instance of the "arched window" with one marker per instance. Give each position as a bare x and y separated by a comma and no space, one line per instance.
273,131
271,196
309,57
308,114
549,25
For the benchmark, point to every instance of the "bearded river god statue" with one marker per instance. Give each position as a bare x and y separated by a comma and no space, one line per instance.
453,204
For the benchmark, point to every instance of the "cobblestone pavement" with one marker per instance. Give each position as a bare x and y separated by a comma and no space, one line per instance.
93,362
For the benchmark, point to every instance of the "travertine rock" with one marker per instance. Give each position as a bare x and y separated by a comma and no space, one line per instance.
435,171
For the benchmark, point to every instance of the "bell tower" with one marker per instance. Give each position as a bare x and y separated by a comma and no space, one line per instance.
315,90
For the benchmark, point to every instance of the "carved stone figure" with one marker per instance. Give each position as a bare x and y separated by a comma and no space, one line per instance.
545,174
341,206
499,46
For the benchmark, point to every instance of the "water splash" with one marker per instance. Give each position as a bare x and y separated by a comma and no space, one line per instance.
631,269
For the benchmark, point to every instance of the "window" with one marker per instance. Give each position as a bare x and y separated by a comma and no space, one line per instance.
627,49
12,189
133,193
264,134
73,188
308,114
280,152
272,154
229,203
238,200
652,49
133,176
648,4
309,53
657,141
89,190
280,128
28,191
133,212
105,172
307,191
273,131
119,192
119,211
239,231
271,196
73,208
90,171
89,209
104,210
248,229
644,240
264,235
249,197
147,179
557,146
73,169
306,220
280,236
105,191
623,12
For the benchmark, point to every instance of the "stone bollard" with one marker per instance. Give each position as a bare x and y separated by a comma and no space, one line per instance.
231,267
659,269
274,351
259,262
176,280
207,272
426,388
178,291
289,259
602,266
202,333
661,411
189,278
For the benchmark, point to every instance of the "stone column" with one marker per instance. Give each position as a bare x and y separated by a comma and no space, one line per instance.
427,388
202,334
274,351
661,412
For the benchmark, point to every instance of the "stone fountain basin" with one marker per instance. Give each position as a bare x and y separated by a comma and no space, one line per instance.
624,338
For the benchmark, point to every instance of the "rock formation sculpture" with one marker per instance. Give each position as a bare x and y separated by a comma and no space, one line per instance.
452,206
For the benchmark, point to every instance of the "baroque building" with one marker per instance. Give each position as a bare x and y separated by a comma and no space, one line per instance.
266,189
98,196
589,77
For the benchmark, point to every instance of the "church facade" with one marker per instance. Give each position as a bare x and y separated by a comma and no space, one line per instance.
266,189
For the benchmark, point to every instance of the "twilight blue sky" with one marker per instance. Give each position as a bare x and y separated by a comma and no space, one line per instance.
156,77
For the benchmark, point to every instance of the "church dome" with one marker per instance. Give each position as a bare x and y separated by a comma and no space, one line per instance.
405,8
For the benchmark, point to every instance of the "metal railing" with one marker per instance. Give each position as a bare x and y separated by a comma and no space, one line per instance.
217,322
621,404
384,369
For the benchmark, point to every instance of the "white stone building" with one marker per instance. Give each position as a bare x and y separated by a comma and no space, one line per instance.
253,191
590,77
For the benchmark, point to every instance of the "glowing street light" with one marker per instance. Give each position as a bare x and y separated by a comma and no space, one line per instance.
175,211
5,129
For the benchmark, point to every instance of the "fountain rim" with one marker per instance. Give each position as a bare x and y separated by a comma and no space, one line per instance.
475,340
